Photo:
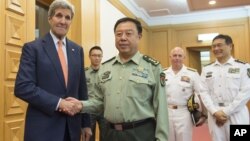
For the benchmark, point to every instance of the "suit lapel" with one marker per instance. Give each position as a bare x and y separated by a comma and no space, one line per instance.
71,52
50,49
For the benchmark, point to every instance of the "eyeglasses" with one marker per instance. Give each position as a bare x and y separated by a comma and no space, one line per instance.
96,55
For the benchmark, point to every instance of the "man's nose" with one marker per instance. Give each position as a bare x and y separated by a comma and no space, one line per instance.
63,20
124,36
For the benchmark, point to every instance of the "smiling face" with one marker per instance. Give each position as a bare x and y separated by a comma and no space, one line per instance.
60,22
177,57
127,39
221,50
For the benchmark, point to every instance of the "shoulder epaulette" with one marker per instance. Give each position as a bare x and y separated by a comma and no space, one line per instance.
192,69
86,68
239,61
109,60
165,69
208,64
151,60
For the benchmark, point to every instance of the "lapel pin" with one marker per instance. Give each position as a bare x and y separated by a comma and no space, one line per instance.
73,49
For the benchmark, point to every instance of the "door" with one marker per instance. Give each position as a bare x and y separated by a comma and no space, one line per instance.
17,27
197,57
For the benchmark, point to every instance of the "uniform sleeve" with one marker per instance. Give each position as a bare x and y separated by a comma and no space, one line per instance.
95,104
244,92
160,107
83,94
205,94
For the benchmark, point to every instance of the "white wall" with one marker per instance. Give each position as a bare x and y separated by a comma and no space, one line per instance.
108,15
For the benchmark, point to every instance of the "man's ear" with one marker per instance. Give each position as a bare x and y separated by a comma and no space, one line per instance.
140,36
232,46
49,18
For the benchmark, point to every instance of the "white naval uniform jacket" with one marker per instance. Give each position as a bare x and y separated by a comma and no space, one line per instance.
180,86
225,86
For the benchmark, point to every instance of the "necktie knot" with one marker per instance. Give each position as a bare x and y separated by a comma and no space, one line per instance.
60,43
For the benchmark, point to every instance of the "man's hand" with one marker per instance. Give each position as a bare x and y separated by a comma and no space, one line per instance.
86,134
220,117
201,121
70,106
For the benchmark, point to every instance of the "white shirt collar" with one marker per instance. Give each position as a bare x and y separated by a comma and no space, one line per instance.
55,39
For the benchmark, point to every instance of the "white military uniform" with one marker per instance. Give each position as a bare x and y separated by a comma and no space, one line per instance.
226,87
179,87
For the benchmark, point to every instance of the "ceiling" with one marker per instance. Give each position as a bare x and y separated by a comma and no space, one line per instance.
151,10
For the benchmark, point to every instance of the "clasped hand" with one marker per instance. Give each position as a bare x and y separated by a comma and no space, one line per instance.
70,106
221,118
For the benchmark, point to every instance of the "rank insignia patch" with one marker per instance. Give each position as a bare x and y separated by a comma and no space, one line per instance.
162,79
106,76
209,74
234,70
185,79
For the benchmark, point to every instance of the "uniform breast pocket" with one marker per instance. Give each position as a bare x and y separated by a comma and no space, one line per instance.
105,85
139,88
210,81
233,81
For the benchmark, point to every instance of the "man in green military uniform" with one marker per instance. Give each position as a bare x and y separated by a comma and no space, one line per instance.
95,57
131,90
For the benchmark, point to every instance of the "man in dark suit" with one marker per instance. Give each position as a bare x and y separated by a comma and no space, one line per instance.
51,69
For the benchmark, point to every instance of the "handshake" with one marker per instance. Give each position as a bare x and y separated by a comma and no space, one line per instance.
70,106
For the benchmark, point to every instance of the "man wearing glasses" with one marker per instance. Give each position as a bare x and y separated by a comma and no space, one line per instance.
95,57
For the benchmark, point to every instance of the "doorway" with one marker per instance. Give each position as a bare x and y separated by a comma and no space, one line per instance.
197,57
42,25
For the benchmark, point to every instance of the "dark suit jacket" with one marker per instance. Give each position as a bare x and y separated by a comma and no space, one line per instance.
40,83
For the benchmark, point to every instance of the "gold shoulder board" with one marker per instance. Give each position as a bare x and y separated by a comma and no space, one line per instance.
239,61
165,69
208,64
151,60
192,69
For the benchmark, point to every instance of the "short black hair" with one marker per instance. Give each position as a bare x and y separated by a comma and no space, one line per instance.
128,19
227,38
95,47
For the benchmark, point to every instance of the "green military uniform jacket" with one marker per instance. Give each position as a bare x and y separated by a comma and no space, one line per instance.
132,91
92,79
